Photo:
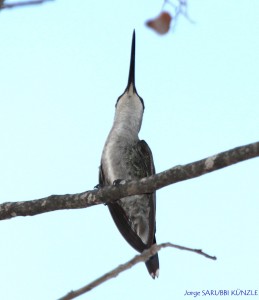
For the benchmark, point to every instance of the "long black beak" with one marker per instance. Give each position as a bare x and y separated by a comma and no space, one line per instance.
131,79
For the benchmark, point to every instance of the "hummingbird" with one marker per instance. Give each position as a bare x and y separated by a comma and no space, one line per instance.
126,157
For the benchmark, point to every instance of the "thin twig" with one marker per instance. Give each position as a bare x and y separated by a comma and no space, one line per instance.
121,268
25,3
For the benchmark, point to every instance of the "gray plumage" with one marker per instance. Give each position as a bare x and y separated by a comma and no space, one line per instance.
125,157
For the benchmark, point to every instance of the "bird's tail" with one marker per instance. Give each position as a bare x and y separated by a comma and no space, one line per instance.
152,265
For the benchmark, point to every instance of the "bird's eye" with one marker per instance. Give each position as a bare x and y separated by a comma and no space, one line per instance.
142,101
118,100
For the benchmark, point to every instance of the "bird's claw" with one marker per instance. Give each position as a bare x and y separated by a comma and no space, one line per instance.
119,181
98,186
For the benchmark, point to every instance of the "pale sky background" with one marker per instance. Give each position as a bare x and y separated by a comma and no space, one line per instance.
62,67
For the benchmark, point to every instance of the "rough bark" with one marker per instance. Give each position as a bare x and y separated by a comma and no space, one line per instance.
146,185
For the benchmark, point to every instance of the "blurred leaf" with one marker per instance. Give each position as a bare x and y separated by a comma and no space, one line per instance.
160,24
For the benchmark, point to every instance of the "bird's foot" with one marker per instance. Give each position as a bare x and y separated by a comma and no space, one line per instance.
98,186
119,181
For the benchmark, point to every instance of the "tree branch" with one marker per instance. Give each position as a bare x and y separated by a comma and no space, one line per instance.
146,185
121,268
24,3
